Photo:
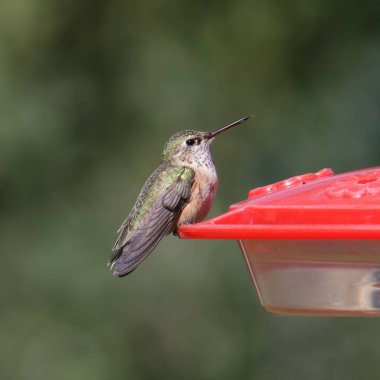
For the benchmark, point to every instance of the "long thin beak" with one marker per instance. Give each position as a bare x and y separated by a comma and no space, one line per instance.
234,124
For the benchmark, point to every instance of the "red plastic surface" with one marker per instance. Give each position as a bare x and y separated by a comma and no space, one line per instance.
312,206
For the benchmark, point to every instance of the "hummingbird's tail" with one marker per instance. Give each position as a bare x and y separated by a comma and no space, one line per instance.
115,256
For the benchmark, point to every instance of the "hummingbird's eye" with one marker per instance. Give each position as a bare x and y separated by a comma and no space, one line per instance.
194,141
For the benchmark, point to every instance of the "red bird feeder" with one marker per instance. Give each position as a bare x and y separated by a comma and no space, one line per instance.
311,242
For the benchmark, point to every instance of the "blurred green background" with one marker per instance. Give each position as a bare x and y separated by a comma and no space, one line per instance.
89,92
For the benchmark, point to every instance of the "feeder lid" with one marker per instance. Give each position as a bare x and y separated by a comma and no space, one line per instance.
318,205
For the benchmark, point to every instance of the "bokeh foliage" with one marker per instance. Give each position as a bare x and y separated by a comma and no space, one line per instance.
89,92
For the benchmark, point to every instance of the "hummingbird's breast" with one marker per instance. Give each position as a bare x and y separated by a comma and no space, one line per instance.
202,194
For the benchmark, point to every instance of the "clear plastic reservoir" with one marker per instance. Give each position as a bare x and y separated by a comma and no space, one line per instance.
333,278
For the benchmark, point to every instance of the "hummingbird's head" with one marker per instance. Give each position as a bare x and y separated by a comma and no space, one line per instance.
191,147
185,146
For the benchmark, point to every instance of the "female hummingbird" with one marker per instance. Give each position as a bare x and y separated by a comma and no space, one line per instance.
179,191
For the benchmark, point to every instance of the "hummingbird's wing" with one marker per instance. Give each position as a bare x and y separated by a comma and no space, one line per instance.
137,240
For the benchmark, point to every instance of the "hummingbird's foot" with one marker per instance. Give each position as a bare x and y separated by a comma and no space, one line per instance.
175,233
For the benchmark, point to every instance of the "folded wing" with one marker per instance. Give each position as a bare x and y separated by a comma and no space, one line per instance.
134,245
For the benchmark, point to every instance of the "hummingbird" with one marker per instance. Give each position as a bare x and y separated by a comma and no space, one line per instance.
179,191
